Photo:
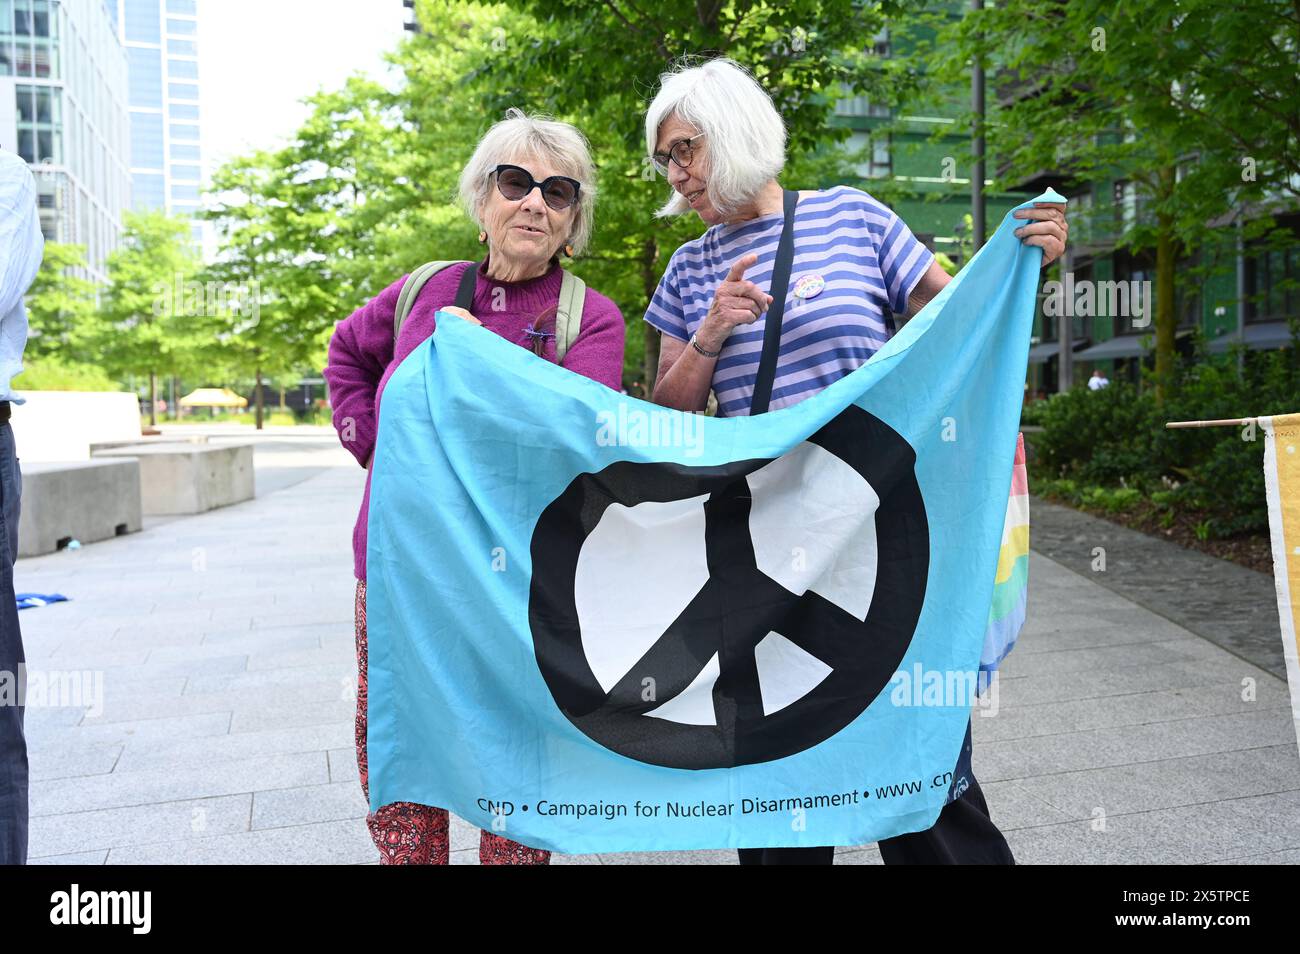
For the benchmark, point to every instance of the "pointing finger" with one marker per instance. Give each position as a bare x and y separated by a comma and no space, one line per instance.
738,267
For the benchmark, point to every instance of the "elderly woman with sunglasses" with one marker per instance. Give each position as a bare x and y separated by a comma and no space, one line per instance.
530,188
715,135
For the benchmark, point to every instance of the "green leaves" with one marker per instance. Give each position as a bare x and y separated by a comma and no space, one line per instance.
145,328
61,307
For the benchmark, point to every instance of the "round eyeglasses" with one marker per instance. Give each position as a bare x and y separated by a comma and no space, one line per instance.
681,152
558,192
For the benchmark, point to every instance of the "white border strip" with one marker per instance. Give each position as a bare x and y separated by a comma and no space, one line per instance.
1281,582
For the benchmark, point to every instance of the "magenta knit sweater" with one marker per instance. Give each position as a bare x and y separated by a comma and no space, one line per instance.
361,353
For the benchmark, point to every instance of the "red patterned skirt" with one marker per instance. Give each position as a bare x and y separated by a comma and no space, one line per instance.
407,833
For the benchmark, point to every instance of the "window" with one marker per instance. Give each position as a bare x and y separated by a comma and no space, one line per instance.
39,123
1187,294
147,140
183,111
143,23
881,164
181,27
182,47
185,192
1273,284
145,77
181,6
861,106
185,152
185,132
876,155
186,173
182,69
182,91
1135,269
148,192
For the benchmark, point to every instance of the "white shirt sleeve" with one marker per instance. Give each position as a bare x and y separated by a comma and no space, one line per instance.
21,243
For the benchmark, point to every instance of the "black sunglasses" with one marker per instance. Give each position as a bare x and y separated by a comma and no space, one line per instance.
559,192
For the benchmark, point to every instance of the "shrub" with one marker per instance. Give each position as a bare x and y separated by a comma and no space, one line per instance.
52,374
1113,443
1101,437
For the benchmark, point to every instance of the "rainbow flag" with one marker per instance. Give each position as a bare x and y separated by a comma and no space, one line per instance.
1282,484
1011,586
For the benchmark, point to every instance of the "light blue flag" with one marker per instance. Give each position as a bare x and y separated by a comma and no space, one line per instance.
599,625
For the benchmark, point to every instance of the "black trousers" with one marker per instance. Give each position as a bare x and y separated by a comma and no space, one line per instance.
963,835
13,746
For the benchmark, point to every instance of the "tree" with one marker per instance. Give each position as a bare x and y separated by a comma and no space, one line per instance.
152,320
61,309
1140,93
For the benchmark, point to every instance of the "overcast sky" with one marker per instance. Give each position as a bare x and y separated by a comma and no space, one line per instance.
258,58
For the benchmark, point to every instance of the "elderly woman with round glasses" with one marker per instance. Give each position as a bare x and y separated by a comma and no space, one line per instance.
530,187
715,135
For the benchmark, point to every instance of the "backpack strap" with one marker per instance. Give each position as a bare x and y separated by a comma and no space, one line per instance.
406,300
568,318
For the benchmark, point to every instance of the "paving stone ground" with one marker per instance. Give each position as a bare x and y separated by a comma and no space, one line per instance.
1122,734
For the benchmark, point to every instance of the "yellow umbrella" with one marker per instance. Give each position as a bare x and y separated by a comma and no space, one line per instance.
213,397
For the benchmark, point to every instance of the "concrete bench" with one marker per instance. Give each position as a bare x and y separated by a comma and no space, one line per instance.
84,500
181,478
96,446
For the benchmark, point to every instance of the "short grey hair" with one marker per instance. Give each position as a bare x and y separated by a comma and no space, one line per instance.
518,138
745,134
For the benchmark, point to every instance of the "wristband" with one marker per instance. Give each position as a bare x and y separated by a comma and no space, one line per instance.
708,354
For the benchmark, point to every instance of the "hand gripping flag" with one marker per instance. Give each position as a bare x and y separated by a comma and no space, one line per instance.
1282,487
597,625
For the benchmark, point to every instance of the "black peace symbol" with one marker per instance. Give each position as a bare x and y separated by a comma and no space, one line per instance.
736,608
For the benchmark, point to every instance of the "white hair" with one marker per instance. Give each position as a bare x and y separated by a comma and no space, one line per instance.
518,138
744,133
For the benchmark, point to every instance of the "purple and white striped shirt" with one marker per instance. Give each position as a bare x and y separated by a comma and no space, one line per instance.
867,258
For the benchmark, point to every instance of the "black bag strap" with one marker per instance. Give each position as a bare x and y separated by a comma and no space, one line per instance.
468,282
772,324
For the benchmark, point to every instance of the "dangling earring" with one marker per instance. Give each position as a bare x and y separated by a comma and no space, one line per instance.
568,251
482,238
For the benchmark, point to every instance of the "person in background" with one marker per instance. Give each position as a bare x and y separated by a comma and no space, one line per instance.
21,249
1098,380
530,186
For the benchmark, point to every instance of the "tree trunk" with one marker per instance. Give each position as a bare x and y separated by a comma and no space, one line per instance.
649,281
258,400
153,398
282,407
1166,314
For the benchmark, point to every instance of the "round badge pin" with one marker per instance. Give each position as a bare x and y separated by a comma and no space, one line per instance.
808,286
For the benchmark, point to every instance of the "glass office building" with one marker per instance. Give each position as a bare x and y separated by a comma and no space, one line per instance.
161,40
63,102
